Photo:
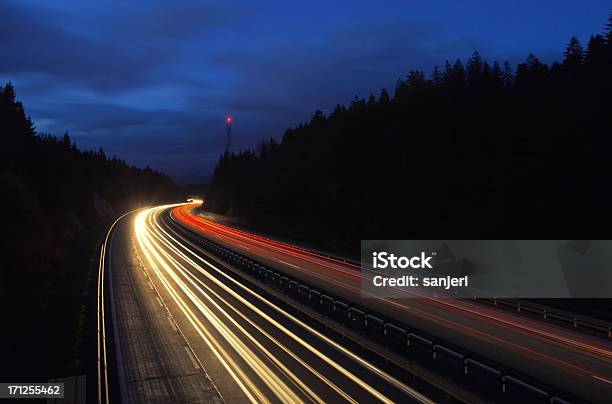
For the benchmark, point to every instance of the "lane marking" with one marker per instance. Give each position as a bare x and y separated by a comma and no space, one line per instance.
228,233
153,253
288,263
602,379
171,321
150,286
159,301
232,338
101,326
191,358
170,242
219,397
295,379
227,361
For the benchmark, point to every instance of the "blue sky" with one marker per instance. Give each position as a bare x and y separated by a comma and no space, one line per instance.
151,81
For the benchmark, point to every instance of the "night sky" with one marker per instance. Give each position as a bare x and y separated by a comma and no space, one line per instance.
151,81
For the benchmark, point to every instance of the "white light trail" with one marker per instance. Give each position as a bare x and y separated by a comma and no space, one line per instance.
171,261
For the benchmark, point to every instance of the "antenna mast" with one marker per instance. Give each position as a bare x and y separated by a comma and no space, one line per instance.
228,133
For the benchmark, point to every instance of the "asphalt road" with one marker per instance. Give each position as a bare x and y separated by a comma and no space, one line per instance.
154,361
558,356
185,331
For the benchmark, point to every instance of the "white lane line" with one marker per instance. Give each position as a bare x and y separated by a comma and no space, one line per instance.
191,357
159,301
244,299
243,246
288,263
602,379
171,321
150,286
216,400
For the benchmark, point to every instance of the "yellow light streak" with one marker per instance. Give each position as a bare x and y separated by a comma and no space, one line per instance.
160,246
244,383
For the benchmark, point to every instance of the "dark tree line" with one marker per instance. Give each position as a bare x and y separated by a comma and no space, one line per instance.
474,150
52,191
55,202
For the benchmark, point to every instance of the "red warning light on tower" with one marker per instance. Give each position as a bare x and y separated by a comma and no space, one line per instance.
228,132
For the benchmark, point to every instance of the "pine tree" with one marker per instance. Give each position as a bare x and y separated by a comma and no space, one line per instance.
8,93
608,31
416,80
436,76
596,50
508,75
573,55
474,68
371,100
384,98
496,74
401,90
458,73
448,73
66,140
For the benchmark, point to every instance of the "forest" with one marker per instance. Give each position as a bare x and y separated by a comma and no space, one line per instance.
475,149
56,202
51,190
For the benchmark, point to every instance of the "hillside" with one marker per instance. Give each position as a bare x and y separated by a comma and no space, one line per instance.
56,203
474,150
51,190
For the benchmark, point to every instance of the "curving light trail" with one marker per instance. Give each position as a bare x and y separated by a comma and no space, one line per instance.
256,341
467,318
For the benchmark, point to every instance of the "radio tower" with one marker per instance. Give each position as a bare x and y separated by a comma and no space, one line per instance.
228,133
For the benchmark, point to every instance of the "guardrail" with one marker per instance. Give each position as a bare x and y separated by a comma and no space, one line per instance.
547,312
392,332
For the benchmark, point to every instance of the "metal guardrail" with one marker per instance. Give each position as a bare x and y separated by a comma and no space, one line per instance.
393,332
547,312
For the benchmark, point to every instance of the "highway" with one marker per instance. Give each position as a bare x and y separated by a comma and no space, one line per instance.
557,356
184,330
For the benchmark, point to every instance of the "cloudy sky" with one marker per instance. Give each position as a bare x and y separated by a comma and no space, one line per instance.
152,80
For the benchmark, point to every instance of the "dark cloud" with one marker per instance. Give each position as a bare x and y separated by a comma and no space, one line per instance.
151,80
355,59
34,41
169,22
114,51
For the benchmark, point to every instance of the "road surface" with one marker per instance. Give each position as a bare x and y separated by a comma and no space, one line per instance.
185,331
558,356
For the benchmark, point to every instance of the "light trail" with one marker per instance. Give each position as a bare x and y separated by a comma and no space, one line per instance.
354,274
173,263
468,318
219,324
252,393
409,391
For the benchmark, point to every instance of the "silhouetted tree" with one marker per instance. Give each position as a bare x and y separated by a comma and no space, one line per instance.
607,34
573,57
481,150
44,177
384,98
